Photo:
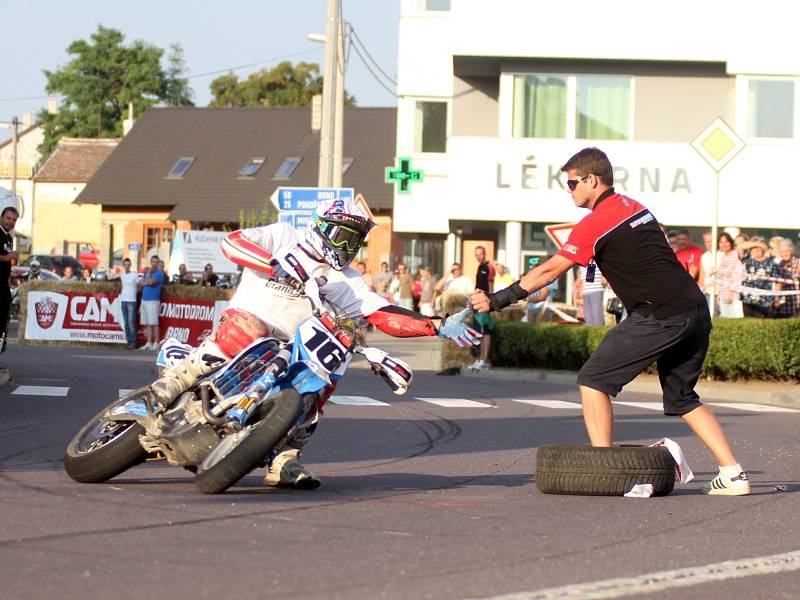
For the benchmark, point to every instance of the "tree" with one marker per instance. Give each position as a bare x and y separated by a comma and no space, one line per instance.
100,81
283,85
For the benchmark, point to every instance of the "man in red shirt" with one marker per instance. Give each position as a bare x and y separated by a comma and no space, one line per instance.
668,318
688,254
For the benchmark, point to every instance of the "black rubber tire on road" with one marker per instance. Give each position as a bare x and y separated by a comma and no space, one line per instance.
286,409
588,471
118,450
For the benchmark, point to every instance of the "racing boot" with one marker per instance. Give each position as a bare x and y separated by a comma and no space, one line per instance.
285,470
206,359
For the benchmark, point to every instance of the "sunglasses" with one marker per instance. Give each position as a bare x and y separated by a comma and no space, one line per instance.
573,183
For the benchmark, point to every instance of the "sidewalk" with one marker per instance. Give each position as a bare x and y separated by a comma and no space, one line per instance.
424,354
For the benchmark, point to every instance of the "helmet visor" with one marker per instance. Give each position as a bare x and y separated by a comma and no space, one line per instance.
342,237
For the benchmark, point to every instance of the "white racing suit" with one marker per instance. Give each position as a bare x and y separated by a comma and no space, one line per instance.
266,303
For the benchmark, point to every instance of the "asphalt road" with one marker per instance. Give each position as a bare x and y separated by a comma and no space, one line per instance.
418,500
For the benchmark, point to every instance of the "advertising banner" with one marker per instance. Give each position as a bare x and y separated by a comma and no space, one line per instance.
88,317
189,320
74,317
196,249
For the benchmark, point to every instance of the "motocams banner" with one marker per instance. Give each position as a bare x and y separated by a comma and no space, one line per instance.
189,320
97,317
74,317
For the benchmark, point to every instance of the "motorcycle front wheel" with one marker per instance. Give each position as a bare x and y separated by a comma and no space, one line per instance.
103,448
241,452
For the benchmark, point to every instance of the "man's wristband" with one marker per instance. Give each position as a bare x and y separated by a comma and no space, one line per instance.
507,296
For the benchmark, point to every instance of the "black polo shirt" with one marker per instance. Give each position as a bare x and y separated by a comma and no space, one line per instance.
484,277
6,246
624,239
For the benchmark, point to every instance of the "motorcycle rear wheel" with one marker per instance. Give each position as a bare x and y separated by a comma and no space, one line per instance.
103,448
241,452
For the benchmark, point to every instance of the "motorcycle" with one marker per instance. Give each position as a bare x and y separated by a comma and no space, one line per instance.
236,419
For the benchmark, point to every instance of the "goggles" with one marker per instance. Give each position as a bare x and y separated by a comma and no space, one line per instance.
342,236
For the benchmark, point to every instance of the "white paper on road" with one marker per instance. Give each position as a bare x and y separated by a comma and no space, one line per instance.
456,403
552,404
646,405
40,390
753,407
356,401
681,466
641,490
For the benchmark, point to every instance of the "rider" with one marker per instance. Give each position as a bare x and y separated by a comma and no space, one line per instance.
270,302
35,270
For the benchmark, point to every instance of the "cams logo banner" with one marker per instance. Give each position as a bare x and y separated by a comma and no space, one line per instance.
75,317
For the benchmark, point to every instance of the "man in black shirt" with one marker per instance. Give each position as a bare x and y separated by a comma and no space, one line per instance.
669,321
484,281
8,219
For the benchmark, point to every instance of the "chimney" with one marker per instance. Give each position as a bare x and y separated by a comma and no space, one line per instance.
127,124
316,112
27,119
52,105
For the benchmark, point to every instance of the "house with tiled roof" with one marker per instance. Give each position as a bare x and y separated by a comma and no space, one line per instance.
59,226
209,168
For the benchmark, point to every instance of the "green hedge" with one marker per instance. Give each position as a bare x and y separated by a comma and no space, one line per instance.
739,348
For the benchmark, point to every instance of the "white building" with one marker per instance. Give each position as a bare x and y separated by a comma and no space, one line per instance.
495,96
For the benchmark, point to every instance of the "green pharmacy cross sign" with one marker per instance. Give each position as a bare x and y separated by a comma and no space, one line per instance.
403,175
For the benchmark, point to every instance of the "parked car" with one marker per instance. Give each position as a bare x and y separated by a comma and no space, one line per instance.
20,275
56,263
89,257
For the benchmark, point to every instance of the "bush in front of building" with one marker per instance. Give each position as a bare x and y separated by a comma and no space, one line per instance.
739,349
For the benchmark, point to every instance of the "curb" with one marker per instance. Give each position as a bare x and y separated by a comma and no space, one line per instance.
784,395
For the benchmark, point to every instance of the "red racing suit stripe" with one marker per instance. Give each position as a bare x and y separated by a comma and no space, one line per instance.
237,248
401,322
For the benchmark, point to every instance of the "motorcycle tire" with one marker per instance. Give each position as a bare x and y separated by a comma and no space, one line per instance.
589,471
103,449
255,442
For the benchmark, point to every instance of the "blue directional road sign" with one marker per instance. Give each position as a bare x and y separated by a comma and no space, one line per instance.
306,199
295,204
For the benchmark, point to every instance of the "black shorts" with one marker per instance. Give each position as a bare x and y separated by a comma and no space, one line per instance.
483,323
678,344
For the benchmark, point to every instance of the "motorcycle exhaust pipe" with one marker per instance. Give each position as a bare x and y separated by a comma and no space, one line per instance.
205,402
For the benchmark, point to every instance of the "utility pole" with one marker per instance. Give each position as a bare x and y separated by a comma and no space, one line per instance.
14,126
330,147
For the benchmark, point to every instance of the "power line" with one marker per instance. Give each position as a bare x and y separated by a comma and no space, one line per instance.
374,62
261,62
373,73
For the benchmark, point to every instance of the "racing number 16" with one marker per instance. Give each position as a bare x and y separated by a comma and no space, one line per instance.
327,352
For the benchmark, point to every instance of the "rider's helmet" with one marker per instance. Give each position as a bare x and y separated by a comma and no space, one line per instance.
35,269
337,231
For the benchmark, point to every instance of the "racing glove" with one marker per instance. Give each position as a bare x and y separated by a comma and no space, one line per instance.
453,327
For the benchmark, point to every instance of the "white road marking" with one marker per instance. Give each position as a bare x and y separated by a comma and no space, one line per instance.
753,407
357,401
646,405
456,403
123,392
40,390
552,403
664,580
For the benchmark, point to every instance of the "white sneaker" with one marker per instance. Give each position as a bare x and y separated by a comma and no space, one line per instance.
729,486
479,365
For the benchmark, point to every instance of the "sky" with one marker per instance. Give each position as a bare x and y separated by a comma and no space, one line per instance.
215,37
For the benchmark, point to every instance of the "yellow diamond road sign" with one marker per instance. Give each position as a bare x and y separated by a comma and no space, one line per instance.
718,144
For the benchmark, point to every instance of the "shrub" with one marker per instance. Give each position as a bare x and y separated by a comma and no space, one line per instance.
739,348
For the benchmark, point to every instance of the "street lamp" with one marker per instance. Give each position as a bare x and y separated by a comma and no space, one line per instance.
330,142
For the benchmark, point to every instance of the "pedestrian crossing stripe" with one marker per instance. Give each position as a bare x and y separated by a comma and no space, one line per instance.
357,401
753,407
551,404
40,390
57,391
646,405
456,403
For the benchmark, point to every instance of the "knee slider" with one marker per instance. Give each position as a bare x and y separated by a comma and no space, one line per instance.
237,330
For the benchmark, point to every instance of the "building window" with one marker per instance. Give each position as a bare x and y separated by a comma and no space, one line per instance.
252,167
770,108
440,5
346,164
180,167
604,108
430,127
287,167
540,106
572,106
